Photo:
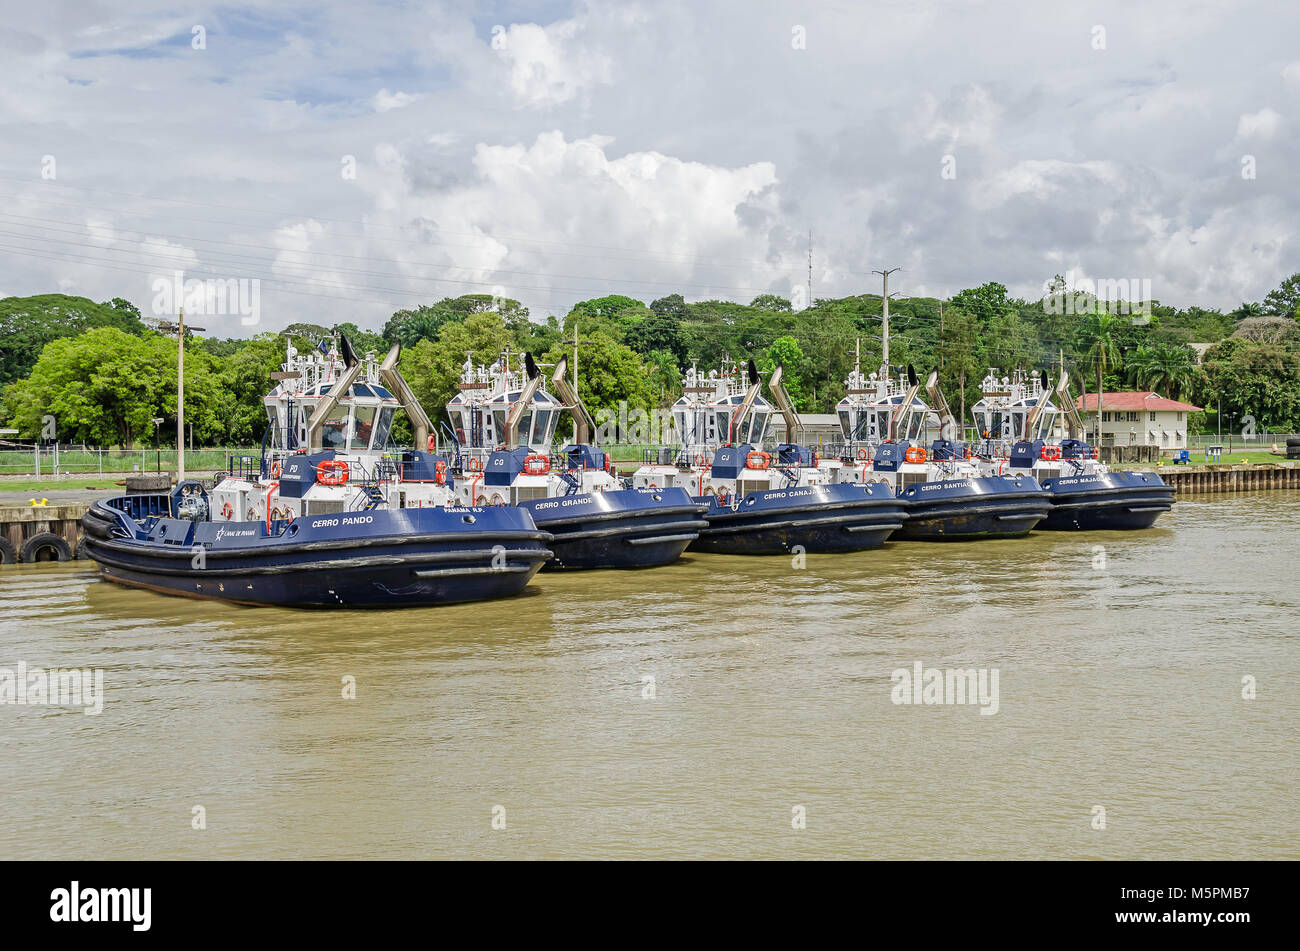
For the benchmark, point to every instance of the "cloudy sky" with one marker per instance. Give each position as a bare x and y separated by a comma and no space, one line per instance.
357,157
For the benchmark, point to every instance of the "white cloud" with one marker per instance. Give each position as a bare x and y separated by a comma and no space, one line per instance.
1291,73
549,65
1262,124
384,101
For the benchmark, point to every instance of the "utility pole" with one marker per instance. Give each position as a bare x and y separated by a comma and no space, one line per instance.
178,328
576,341
885,317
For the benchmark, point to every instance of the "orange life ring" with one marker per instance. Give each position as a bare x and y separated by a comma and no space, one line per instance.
537,464
1050,453
432,443
473,465
862,454
227,512
763,457
275,469
332,472
701,459
440,471
652,486
914,454
817,459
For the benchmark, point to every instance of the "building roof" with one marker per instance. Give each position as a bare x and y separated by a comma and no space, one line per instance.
1146,401
819,419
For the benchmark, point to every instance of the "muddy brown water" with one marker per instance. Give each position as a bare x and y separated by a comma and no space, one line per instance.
1120,661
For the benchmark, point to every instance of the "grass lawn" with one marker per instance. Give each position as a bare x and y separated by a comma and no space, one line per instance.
1236,457
107,482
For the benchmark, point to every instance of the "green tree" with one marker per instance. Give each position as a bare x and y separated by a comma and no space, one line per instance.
433,367
960,368
27,324
1285,300
785,353
1098,338
1163,368
106,386
772,302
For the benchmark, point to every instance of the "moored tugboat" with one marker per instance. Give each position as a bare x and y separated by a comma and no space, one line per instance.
329,516
761,502
595,521
1020,422
887,430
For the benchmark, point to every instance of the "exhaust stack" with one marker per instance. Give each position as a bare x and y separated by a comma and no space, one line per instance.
755,384
583,424
525,399
786,405
394,380
947,421
1068,407
327,405
1032,416
914,384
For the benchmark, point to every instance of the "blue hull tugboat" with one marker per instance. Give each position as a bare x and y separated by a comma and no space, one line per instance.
1020,424
328,517
594,521
760,503
886,429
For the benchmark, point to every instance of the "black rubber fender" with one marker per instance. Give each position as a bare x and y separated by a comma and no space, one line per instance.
43,542
8,555
80,551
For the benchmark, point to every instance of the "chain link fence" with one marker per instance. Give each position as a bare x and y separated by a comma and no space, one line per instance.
51,462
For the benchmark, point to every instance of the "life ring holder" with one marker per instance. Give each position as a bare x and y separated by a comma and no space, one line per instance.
332,472
276,469
701,459
863,455
473,465
537,464
763,457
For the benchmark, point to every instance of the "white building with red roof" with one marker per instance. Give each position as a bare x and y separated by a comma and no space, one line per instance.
1137,419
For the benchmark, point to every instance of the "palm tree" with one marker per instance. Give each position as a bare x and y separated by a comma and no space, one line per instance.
1164,368
1098,341
1247,310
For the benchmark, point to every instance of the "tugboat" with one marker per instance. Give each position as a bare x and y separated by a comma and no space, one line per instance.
1019,424
595,521
761,503
329,515
886,429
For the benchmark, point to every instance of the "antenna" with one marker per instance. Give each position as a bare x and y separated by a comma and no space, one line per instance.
810,300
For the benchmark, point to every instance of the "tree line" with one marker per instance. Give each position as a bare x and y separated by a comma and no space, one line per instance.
103,372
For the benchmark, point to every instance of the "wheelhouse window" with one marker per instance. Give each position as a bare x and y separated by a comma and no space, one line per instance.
543,427
334,431
382,428
522,429
363,427
276,439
